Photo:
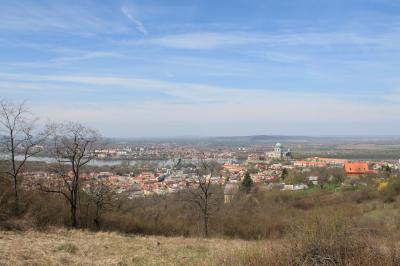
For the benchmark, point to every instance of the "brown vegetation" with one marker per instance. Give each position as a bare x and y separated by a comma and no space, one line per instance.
313,241
357,226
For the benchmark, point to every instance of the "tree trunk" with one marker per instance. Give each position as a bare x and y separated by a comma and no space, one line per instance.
96,219
15,177
205,226
16,198
206,220
74,203
73,216
97,223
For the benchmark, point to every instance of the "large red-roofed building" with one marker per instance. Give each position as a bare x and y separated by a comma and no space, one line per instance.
356,168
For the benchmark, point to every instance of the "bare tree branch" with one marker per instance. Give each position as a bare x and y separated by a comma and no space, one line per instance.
202,197
17,138
73,147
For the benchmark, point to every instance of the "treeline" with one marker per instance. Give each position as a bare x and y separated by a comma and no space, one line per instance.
258,214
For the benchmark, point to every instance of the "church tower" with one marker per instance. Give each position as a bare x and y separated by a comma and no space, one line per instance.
278,151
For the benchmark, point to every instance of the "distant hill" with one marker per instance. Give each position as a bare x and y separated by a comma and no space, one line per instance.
259,139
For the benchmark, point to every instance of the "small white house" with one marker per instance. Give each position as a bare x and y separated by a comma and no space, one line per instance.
313,179
295,187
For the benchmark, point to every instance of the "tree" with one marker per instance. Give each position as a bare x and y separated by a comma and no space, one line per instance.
202,196
5,192
18,142
247,183
284,174
102,196
72,148
388,169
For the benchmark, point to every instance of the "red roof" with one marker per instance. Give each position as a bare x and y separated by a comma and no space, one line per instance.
356,168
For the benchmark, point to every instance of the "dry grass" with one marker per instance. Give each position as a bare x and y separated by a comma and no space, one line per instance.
295,229
74,247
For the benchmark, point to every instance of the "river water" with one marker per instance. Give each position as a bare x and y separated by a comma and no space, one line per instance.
116,162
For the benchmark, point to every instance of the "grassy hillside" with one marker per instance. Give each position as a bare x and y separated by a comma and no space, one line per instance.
59,246
77,247
319,226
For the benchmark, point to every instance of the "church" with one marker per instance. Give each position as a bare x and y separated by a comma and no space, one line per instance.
278,153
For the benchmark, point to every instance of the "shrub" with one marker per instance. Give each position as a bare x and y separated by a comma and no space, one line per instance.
324,242
319,241
364,194
391,190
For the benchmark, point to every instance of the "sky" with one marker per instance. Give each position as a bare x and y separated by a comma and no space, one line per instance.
155,68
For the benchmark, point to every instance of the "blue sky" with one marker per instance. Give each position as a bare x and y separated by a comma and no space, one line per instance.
201,68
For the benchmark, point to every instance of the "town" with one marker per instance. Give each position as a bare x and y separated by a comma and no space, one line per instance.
273,169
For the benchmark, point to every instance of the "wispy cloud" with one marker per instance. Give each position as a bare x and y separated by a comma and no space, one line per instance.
183,91
211,40
62,59
207,40
86,56
297,115
201,106
63,17
129,14
192,91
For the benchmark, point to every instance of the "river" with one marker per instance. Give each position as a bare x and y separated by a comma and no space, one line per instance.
94,162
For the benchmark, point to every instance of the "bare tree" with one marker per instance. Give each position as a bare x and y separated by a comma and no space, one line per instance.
73,148
102,195
17,142
202,196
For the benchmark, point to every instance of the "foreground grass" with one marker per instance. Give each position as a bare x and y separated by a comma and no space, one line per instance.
350,229
318,246
74,247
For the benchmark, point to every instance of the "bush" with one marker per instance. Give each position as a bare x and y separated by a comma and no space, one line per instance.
319,241
329,241
364,194
391,190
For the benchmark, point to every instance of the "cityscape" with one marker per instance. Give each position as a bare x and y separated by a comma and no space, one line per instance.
201,133
167,168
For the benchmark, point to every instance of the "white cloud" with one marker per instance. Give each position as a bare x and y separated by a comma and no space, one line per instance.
248,115
187,91
139,25
206,40
85,56
64,17
211,40
200,109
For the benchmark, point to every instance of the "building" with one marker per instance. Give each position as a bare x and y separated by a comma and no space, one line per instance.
230,190
278,153
357,168
329,161
295,187
313,179
308,164
254,158
233,168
